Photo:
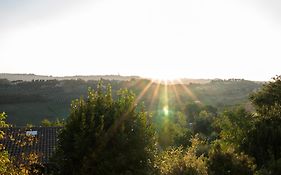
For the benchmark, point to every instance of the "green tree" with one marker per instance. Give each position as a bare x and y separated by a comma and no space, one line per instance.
106,136
268,98
192,110
203,123
228,162
263,139
182,134
173,130
233,126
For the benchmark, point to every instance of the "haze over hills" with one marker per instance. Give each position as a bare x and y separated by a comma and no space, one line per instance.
31,77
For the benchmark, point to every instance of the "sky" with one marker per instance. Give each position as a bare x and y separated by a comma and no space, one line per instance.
149,38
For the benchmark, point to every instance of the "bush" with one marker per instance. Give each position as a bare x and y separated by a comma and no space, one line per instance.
177,161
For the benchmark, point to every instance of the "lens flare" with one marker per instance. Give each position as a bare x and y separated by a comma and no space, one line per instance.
166,110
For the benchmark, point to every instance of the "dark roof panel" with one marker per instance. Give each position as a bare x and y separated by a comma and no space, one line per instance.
39,140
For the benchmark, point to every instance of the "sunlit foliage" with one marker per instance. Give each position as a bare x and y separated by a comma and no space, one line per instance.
48,123
24,165
177,160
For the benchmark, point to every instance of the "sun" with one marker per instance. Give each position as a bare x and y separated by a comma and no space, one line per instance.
164,77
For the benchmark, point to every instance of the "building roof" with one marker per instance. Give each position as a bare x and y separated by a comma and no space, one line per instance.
39,140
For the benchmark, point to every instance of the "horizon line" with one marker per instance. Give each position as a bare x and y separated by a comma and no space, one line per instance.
133,76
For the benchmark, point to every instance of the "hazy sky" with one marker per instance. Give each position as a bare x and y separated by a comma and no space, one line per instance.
156,38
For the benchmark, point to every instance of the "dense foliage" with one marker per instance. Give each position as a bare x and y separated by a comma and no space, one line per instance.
106,136
263,139
229,162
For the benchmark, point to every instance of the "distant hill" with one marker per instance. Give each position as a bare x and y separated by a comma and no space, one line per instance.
30,77
32,101
196,81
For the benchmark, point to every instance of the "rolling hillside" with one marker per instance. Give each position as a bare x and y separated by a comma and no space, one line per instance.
32,101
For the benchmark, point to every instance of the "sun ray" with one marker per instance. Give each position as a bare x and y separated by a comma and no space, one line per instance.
166,92
166,99
188,91
155,93
178,99
143,92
